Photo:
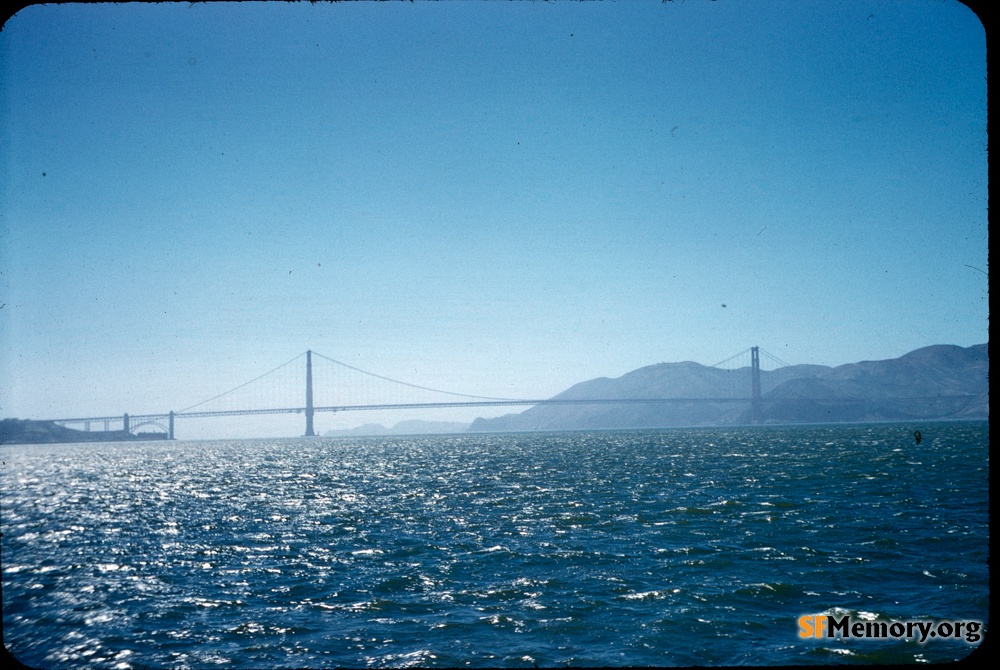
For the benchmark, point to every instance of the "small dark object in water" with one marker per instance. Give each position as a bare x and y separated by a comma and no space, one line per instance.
917,436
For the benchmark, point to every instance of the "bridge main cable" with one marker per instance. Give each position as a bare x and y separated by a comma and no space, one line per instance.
416,386
237,388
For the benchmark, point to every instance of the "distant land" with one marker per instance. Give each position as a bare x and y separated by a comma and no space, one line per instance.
412,427
936,382
26,431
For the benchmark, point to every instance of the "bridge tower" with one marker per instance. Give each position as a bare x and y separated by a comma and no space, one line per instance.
755,384
309,394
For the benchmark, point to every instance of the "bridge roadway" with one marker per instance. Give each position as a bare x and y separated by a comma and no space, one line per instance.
138,419
134,421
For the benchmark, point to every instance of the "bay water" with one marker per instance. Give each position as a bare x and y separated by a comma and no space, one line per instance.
607,548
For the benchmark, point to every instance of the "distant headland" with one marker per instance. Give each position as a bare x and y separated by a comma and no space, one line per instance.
936,382
26,431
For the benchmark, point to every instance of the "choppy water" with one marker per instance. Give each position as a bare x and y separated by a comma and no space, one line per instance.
603,548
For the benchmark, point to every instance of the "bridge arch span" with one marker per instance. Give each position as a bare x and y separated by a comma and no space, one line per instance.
135,429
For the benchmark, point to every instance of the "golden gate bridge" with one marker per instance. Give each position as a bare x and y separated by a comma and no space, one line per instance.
363,397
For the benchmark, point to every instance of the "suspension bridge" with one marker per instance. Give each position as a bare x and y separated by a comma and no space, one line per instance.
367,392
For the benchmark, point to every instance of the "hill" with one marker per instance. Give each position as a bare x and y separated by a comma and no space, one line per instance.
26,431
936,382
410,427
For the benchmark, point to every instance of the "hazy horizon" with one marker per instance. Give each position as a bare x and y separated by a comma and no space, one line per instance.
499,199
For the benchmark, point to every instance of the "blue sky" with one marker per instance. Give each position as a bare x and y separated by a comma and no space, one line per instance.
491,198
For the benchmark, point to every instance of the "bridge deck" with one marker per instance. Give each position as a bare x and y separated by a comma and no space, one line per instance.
134,418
